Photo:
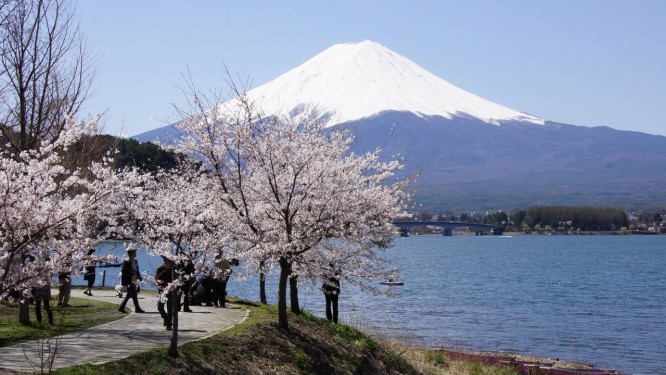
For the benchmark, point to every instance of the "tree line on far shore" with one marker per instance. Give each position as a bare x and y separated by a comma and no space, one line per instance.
566,218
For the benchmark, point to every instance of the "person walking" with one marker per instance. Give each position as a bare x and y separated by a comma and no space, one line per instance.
130,274
164,276
331,289
89,276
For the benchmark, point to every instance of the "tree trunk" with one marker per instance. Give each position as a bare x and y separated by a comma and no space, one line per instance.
175,305
293,295
262,284
24,311
285,270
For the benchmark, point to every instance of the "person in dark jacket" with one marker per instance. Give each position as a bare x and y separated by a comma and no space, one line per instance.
208,285
164,276
331,289
221,276
130,274
65,280
42,296
186,270
89,276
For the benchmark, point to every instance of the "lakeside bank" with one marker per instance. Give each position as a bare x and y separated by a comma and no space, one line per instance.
312,345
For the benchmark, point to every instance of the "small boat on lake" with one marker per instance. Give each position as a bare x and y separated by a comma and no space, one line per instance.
391,282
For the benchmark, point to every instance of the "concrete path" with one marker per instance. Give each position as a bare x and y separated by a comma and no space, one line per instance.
123,337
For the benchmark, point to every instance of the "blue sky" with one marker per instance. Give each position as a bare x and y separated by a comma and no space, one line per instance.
592,63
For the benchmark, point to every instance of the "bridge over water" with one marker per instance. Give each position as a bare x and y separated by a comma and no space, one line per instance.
449,226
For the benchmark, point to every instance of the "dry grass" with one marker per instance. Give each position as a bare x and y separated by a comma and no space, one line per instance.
426,361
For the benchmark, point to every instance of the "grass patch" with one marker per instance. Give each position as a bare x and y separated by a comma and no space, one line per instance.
84,313
436,358
344,332
476,368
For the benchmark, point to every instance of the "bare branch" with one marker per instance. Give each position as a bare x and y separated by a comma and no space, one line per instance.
46,72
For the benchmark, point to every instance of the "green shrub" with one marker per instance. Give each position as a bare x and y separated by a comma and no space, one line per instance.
436,358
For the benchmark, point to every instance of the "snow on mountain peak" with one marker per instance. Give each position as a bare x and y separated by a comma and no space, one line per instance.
351,81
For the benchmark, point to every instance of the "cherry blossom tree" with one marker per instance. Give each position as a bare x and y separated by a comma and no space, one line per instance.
174,216
320,205
293,192
49,214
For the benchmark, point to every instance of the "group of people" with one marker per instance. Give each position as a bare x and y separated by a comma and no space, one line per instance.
164,275
42,294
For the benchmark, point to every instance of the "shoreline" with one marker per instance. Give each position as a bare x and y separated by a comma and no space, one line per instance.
526,364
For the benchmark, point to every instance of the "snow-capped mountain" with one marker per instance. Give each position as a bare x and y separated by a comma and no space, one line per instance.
353,81
450,138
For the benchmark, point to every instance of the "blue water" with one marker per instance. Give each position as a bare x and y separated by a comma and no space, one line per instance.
596,299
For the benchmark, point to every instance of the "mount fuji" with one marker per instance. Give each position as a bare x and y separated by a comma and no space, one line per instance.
356,81
470,153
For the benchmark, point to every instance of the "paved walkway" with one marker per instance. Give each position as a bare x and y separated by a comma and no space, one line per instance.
123,337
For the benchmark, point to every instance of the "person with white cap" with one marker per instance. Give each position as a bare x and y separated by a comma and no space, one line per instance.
130,274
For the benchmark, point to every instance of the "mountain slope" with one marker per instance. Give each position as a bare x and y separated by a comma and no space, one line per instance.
464,164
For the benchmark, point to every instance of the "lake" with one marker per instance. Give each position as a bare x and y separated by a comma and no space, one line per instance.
596,299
